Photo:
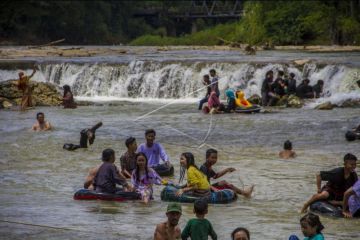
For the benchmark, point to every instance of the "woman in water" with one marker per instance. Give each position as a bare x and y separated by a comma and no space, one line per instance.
197,182
143,177
68,98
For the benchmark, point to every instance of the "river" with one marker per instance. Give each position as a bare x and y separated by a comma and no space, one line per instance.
38,178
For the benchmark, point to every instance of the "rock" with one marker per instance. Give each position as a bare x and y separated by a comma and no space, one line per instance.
350,103
6,103
43,94
325,106
283,101
255,99
294,102
301,61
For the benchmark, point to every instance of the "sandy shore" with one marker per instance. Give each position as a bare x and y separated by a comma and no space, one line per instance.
90,51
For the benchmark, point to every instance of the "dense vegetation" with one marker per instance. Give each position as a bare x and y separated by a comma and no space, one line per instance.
114,22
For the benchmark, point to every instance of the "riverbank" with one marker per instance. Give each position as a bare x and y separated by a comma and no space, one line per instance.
16,52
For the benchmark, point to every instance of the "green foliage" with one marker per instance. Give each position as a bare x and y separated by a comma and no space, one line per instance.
113,22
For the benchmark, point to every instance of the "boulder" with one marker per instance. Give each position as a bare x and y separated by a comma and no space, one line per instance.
294,102
255,99
43,94
291,101
6,103
325,106
350,103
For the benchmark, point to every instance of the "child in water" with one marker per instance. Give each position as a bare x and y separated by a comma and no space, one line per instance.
199,227
143,178
311,227
287,152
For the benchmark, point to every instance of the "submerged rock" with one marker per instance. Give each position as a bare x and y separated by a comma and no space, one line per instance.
255,99
350,103
294,102
291,101
43,94
325,106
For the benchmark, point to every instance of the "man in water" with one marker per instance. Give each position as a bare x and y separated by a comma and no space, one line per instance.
339,180
318,88
214,82
169,230
105,177
153,150
25,86
128,159
85,136
41,124
206,82
206,168
304,90
287,152
291,84
266,88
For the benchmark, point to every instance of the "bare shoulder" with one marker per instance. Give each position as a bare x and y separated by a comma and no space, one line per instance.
160,232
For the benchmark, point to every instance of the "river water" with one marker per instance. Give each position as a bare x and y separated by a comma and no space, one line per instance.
38,178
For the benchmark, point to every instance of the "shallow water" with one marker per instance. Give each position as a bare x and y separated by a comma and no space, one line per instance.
39,178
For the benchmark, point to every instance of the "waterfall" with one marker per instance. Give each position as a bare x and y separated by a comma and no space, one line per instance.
181,80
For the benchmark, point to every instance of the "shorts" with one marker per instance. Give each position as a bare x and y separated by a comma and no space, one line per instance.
333,195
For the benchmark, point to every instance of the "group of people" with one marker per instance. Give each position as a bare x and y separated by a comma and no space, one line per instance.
138,164
272,90
24,85
196,228
200,228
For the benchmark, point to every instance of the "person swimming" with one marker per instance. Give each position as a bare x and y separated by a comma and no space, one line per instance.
41,124
287,152
85,136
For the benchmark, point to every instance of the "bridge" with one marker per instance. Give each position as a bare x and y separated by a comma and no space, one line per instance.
195,9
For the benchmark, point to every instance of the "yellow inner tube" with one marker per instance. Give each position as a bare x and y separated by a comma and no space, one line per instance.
241,101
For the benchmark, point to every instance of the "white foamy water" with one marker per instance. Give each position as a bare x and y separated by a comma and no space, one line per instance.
163,81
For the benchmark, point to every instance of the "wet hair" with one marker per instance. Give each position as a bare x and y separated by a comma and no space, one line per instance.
240,229
306,81
350,136
129,141
287,145
107,154
313,220
200,206
38,114
210,151
349,157
212,71
281,73
320,82
292,75
137,169
148,131
206,76
269,72
66,89
190,161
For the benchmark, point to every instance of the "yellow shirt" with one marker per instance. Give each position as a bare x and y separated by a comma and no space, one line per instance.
197,179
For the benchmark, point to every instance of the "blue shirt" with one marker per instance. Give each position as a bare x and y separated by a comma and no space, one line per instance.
153,153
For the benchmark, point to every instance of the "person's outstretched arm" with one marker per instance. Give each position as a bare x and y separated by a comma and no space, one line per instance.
32,74
223,172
